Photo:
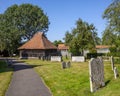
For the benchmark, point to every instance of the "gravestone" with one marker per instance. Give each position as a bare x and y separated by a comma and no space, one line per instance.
56,58
68,64
63,65
78,59
96,70
112,62
116,73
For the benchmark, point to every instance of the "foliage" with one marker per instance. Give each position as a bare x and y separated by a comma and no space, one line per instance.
112,33
115,54
74,81
20,22
112,14
108,37
82,37
113,49
116,60
56,42
94,55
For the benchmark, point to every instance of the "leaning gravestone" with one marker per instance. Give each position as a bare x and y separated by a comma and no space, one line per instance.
63,65
68,64
112,63
96,70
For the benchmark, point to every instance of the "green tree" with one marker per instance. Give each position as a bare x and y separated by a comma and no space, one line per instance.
21,22
68,37
112,32
82,37
56,42
112,15
108,37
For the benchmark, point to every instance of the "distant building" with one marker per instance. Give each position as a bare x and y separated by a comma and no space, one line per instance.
63,49
102,49
37,47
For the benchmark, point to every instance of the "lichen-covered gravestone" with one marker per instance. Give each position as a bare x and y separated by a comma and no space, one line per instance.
68,64
96,70
63,65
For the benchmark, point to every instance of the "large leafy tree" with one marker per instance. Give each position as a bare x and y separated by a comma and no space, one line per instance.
82,37
111,34
109,37
21,22
112,15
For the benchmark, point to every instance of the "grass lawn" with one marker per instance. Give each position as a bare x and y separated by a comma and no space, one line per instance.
74,81
5,76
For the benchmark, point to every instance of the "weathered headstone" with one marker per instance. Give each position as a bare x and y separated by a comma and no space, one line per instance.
63,65
96,70
112,62
68,64
115,73
78,59
56,58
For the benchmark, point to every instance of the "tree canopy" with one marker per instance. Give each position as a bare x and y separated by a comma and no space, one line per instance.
112,15
108,37
21,22
84,36
111,35
56,42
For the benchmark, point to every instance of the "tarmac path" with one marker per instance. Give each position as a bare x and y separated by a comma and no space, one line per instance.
26,82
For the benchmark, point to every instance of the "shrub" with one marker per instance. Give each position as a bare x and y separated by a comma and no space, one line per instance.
94,55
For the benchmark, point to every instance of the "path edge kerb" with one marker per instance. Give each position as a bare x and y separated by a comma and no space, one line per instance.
10,77
41,79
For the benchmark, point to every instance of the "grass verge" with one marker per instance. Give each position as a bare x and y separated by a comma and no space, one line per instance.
5,77
74,81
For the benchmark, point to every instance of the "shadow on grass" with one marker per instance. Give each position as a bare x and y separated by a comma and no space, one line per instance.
4,67
107,82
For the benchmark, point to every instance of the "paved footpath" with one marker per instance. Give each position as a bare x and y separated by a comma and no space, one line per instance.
26,82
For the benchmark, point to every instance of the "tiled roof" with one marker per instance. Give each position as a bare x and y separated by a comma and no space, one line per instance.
63,46
102,46
39,41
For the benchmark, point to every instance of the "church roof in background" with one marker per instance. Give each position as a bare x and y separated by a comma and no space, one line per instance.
102,46
38,41
63,47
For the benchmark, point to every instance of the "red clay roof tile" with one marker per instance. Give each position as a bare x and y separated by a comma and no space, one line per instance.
63,46
102,46
39,41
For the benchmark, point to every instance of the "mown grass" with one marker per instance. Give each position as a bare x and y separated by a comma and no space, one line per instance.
5,77
74,81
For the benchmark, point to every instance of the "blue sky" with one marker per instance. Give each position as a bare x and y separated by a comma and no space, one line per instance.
64,13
